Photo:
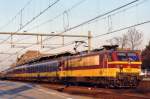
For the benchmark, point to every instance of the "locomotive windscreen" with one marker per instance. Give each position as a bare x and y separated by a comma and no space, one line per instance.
133,56
125,56
122,56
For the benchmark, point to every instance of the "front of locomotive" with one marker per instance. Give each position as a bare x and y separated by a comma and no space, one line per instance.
128,68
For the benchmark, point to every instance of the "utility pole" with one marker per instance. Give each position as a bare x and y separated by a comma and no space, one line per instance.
63,40
89,41
11,41
41,42
21,19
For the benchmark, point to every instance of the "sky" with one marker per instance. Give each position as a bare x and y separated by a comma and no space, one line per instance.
63,15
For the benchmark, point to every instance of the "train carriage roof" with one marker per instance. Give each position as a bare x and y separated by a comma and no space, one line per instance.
48,57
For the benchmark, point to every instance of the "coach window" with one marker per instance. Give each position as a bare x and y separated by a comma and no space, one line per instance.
47,67
22,70
18,70
35,68
50,67
26,70
31,69
44,68
15,71
39,68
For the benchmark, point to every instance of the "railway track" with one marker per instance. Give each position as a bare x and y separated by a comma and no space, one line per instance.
142,92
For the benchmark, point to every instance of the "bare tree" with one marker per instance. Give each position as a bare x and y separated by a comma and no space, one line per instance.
121,41
134,38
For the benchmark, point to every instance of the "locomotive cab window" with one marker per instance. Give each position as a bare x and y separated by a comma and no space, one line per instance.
122,56
133,56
